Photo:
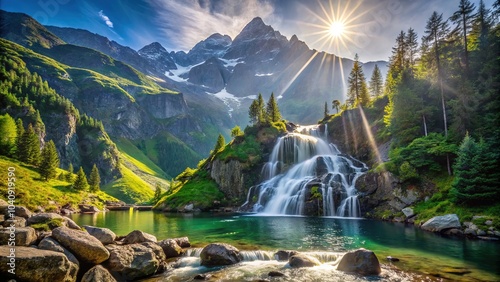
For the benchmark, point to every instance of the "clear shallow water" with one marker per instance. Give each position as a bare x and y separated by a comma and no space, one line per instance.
419,251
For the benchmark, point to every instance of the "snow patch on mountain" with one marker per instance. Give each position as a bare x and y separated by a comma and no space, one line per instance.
232,102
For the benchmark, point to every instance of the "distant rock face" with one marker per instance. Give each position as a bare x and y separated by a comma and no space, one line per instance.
361,261
230,178
214,46
441,223
219,254
211,74
158,57
37,265
164,105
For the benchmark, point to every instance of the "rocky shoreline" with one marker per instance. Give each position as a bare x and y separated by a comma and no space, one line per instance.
60,250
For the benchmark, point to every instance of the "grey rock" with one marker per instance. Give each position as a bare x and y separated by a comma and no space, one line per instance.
183,242
19,211
70,223
88,209
171,248
160,255
17,221
283,255
24,236
131,262
276,274
219,254
440,223
302,260
43,218
481,232
37,265
488,222
361,261
470,232
230,178
408,212
454,232
48,243
84,246
477,217
98,274
497,233
138,236
467,224
105,235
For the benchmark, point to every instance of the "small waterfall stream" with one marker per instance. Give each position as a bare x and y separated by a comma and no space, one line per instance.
306,175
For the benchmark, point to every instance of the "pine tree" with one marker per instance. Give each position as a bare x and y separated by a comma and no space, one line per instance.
69,175
81,183
463,18
236,131
326,113
262,114
272,111
8,135
94,179
411,45
29,151
49,161
253,112
336,105
157,195
20,133
376,83
357,93
221,142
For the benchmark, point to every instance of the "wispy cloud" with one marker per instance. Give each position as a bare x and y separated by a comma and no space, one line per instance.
185,22
106,19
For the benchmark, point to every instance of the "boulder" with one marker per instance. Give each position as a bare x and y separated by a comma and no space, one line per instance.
276,274
171,248
138,236
408,212
361,261
19,211
130,262
50,244
70,223
454,232
84,246
98,274
160,255
283,255
219,254
17,220
302,260
488,222
23,236
183,242
105,235
44,218
440,223
36,265
88,209
470,232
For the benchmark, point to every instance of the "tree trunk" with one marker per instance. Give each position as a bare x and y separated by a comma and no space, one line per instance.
425,125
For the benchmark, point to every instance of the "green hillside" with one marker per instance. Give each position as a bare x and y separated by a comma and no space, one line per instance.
33,192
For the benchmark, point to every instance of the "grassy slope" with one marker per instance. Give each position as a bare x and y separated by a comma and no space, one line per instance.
32,192
132,154
130,188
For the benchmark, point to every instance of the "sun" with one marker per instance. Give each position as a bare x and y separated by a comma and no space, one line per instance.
336,29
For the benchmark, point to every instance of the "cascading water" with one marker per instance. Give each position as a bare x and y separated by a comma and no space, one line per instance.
307,176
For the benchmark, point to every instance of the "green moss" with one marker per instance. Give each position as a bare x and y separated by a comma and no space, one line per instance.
48,225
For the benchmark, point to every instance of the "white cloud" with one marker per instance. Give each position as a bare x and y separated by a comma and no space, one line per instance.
186,22
105,18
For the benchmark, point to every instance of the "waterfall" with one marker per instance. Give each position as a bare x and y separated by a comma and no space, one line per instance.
307,176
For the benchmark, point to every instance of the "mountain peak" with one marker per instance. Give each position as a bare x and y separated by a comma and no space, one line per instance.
153,46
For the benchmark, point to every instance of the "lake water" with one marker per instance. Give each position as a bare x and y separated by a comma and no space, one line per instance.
428,254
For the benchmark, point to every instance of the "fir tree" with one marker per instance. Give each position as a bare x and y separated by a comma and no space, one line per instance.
94,179
49,161
326,112
262,115
376,83
20,133
463,18
272,111
157,195
357,92
411,44
69,175
221,142
29,151
8,135
236,131
81,181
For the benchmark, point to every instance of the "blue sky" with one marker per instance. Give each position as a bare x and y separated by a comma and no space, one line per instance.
372,25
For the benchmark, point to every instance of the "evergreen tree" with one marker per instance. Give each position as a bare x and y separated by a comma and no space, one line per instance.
157,195
69,175
357,92
326,112
81,181
94,179
29,151
236,131
336,105
262,117
272,111
257,111
8,135
221,142
411,44
463,18
49,161
20,133
376,84
476,178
